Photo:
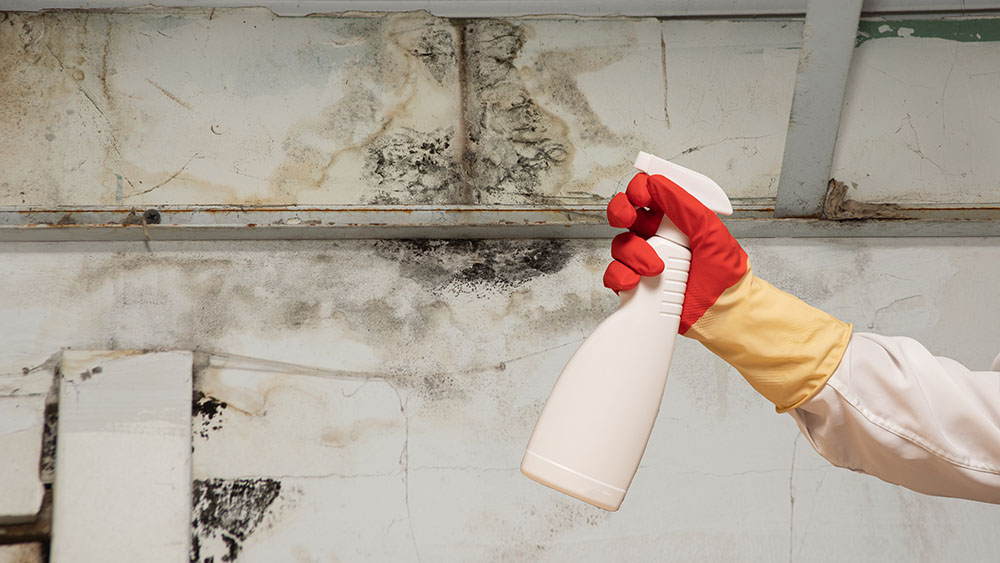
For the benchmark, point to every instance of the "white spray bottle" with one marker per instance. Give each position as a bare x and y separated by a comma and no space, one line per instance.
594,427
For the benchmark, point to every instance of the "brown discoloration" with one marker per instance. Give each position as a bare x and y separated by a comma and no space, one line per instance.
427,110
838,207
407,59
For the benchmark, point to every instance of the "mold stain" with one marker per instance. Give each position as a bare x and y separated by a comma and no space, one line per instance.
493,136
409,60
414,167
476,265
208,411
512,144
435,48
226,512
47,462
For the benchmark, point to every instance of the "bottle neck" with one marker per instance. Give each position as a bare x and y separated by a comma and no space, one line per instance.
669,231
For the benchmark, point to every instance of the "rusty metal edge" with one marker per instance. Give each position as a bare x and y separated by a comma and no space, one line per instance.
456,222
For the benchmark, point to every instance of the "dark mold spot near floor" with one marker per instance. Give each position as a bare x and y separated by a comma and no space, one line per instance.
209,410
473,264
226,512
414,167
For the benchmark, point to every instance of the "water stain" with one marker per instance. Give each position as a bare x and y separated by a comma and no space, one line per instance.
226,512
383,128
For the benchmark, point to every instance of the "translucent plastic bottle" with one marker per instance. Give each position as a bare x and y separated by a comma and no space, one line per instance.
594,427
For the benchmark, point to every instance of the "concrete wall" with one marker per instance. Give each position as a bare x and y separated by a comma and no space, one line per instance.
244,107
447,350
435,357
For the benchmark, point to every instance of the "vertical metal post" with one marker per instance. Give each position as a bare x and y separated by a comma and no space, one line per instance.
825,57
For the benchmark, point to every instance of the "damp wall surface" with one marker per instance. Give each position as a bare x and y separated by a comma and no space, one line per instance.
239,106
435,356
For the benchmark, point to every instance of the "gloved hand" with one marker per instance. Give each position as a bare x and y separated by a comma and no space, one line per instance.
784,348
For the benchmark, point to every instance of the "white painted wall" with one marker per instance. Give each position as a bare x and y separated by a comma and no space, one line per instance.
415,449
242,107
435,357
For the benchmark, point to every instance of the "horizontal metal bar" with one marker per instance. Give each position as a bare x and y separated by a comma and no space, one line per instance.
455,222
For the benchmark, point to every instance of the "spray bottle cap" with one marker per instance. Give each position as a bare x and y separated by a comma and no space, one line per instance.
703,188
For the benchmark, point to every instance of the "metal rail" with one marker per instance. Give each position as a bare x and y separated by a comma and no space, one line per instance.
454,221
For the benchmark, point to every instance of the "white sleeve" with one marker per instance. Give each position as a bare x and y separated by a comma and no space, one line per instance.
895,411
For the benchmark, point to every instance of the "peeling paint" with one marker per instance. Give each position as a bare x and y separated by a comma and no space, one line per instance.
971,30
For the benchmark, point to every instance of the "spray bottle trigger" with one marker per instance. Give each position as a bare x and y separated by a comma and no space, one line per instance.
703,188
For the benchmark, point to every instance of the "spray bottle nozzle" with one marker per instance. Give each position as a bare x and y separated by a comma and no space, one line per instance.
703,188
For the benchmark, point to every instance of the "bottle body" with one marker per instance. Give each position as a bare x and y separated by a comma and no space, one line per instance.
594,427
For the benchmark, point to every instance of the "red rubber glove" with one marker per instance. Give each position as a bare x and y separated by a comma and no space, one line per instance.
717,260
783,347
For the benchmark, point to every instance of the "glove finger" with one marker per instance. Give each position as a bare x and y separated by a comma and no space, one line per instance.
646,222
637,191
636,253
621,213
682,208
620,277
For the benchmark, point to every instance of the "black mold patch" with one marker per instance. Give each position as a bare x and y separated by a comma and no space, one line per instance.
210,410
512,144
47,463
226,512
474,264
415,167
436,49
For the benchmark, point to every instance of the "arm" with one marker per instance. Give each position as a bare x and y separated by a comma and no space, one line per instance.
895,411
877,405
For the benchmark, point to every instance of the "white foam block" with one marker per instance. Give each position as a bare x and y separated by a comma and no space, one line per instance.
22,422
123,458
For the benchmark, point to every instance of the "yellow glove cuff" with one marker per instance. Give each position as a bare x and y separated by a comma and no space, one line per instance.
784,348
